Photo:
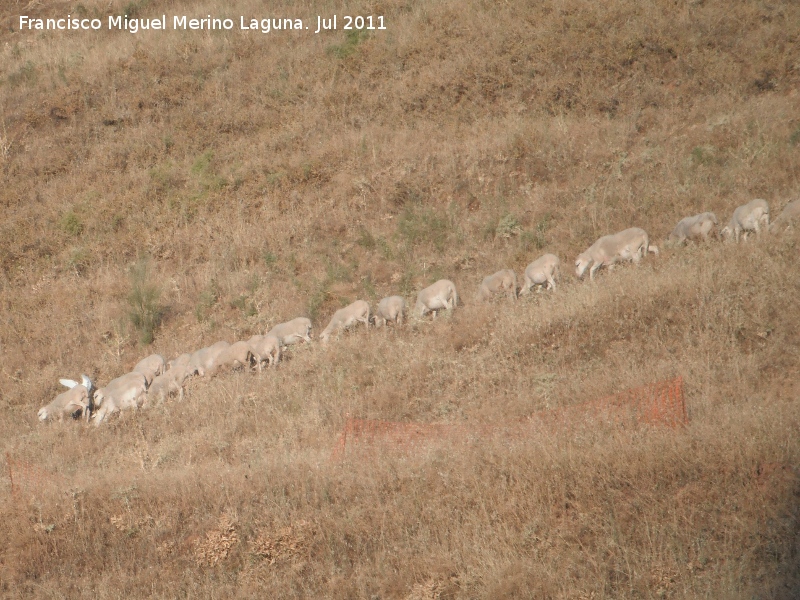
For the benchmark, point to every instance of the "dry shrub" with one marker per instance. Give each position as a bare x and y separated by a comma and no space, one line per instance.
218,543
290,543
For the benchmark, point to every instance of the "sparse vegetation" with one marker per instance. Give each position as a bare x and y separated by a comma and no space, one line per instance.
144,309
289,174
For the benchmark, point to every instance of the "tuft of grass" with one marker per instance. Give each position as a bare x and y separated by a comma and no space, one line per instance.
144,309
508,226
26,74
352,39
71,223
365,239
794,138
423,225
206,301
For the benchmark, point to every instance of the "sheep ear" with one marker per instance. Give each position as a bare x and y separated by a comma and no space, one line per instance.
87,383
68,383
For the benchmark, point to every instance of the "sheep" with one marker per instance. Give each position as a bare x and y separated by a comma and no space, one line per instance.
693,228
543,272
345,317
179,361
630,244
166,383
203,360
292,331
77,397
265,348
126,391
150,367
748,217
504,280
389,309
236,354
790,213
441,294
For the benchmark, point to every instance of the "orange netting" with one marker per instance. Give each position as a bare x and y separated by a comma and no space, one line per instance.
660,403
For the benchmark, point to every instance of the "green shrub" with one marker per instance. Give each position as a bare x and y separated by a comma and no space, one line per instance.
71,224
351,42
144,310
206,301
420,226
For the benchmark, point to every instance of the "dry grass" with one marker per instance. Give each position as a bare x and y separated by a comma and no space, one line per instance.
467,138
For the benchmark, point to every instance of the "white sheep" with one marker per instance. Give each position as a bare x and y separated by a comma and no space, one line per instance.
77,397
167,383
265,348
179,361
628,245
440,295
748,217
292,331
235,355
202,361
150,367
124,392
543,272
697,227
357,312
389,309
497,283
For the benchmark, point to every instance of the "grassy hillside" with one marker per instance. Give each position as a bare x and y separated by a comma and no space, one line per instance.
165,190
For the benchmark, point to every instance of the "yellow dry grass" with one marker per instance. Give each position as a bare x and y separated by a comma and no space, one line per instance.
262,177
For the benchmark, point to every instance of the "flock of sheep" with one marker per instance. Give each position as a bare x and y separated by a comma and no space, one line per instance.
153,378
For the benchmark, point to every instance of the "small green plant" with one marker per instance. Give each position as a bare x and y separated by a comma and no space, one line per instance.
134,8
419,226
794,139
206,301
351,42
144,310
366,240
508,226
703,155
270,258
71,223
245,304
25,74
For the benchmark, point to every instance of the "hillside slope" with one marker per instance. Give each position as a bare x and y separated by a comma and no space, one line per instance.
164,190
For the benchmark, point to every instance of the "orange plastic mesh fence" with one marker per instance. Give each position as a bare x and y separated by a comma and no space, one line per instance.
660,403
26,478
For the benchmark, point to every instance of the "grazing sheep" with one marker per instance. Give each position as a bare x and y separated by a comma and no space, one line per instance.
169,382
150,367
693,228
179,361
748,217
265,348
790,213
346,317
389,309
77,398
543,272
630,244
437,296
127,391
292,331
502,281
202,361
235,355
